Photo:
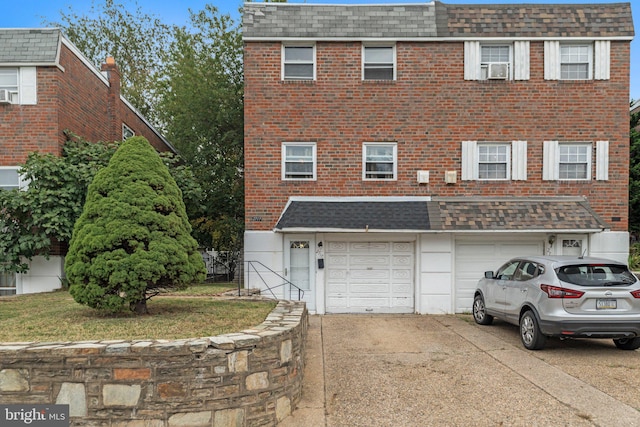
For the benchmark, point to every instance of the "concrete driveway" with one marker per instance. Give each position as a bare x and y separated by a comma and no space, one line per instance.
411,370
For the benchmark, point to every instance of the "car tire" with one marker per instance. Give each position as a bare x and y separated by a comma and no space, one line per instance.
627,343
480,313
530,334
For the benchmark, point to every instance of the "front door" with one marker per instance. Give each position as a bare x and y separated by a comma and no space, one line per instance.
299,269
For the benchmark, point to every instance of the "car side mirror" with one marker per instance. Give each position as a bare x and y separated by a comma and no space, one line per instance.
488,274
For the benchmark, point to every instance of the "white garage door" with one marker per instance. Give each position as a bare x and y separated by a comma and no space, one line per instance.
473,258
369,277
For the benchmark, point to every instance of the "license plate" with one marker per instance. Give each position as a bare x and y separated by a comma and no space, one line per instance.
606,304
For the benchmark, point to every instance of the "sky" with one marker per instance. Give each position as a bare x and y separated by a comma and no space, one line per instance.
35,13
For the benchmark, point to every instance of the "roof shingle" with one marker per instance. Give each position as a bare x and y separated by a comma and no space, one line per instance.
29,46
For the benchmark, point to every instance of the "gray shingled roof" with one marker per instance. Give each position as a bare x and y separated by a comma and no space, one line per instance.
348,215
424,20
29,46
445,214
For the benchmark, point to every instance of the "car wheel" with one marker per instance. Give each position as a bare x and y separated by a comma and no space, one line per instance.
480,313
627,343
530,333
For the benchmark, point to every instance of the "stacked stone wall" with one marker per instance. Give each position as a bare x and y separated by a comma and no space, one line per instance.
251,378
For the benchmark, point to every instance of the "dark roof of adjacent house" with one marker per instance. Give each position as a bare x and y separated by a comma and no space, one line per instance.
441,214
29,46
435,19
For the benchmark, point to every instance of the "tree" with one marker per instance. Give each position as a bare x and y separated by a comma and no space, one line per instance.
634,173
133,239
137,41
200,101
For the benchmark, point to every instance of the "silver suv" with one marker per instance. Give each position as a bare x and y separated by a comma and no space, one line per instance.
565,297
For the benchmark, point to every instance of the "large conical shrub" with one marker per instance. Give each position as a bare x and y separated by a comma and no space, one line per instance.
133,239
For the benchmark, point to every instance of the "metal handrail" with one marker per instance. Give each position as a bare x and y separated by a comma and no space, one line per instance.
251,264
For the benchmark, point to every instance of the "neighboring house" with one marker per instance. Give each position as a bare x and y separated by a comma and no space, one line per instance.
46,87
393,153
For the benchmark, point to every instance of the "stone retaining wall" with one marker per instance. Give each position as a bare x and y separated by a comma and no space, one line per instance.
252,378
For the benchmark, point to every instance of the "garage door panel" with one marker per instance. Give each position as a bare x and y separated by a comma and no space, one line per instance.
370,277
472,259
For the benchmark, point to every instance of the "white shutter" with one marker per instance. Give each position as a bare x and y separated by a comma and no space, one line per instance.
602,59
521,60
519,160
602,160
469,160
550,160
28,86
472,60
551,60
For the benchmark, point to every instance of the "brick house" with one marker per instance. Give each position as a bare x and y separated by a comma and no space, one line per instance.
393,153
46,87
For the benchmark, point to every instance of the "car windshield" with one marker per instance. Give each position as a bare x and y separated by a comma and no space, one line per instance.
596,275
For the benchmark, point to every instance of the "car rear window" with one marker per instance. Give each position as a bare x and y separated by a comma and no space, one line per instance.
596,274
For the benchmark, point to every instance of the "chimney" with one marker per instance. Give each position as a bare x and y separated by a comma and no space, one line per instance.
111,71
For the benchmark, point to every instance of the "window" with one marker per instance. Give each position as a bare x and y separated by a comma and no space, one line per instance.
378,63
379,161
9,82
495,62
298,63
7,284
299,161
127,132
20,83
575,62
575,161
493,161
10,178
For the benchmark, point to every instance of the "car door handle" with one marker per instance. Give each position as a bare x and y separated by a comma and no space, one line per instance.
523,290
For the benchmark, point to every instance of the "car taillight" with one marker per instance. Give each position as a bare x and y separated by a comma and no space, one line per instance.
636,294
557,292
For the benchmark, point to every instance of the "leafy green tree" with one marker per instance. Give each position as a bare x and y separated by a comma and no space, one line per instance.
201,103
33,219
133,239
136,40
634,173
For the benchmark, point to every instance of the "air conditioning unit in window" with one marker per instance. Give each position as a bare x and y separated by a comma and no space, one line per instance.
5,96
498,71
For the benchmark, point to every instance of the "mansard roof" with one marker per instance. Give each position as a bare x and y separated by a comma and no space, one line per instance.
29,46
277,21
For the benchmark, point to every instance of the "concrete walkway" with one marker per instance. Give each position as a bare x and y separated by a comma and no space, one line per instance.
410,370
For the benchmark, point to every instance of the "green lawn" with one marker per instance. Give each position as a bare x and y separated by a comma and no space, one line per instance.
191,313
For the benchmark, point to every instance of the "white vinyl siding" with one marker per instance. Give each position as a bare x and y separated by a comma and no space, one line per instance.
577,61
298,63
494,161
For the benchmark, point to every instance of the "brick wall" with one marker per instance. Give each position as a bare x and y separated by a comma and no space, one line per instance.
252,378
428,111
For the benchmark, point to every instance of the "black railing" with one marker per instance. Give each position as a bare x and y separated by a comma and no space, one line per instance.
261,271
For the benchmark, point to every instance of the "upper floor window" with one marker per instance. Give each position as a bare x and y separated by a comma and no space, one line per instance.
573,161
299,161
127,132
9,84
575,62
494,160
298,62
10,179
378,63
495,62
379,161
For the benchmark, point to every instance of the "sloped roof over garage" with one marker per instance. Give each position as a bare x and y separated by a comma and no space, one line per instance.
440,214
